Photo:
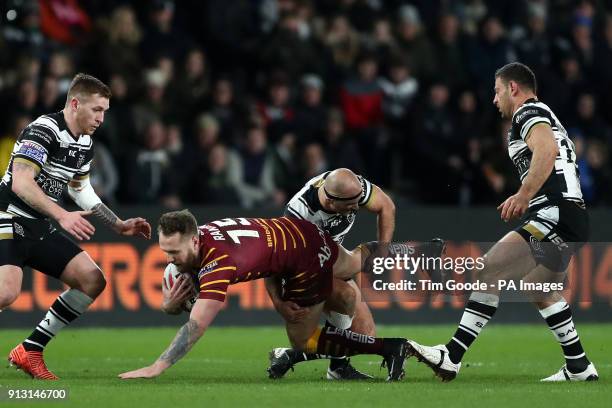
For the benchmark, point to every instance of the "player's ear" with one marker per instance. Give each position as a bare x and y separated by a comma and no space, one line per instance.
74,104
514,88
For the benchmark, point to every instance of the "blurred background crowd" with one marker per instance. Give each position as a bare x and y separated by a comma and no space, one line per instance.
239,102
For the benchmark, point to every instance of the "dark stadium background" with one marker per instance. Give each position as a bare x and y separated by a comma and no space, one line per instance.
228,107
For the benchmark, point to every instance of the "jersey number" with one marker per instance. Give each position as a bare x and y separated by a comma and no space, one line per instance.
235,234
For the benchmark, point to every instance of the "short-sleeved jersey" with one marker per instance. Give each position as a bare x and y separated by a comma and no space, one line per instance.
236,250
563,183
48,145
305,205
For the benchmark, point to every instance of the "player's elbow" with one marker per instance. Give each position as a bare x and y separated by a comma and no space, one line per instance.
19,184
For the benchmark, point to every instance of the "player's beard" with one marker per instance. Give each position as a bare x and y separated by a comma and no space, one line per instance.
190,264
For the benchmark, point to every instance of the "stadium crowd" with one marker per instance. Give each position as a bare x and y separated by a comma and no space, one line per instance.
239,102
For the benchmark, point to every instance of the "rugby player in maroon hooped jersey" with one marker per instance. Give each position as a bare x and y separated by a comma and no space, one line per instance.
235,250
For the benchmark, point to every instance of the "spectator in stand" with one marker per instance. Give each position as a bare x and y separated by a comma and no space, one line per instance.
50,99
148,174
400,90
61,66
226,108
192,86
27,98
381,41
436,148
340,150
162,37
582,37
287,164
254,177
192,161
533,45
487,53
563,95
361,101
588,121
450,52
277,113
215,184
119,48
342,43
64,21
155,104
598,159
310,112
468,126
361,96
118,130
413,42
314,161
287,50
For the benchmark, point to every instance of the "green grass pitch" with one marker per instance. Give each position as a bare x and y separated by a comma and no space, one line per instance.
227,368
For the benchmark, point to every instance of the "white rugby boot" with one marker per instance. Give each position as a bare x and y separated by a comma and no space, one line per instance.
436,358
589,374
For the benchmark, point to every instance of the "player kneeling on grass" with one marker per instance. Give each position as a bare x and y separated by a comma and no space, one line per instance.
231,250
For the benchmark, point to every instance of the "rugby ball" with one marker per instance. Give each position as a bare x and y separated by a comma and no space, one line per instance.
171,275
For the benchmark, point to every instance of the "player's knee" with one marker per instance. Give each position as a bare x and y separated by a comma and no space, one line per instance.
7,297
488,269
92,283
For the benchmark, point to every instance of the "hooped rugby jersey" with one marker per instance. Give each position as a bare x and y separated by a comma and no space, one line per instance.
234,250
305,205
563,183
48,144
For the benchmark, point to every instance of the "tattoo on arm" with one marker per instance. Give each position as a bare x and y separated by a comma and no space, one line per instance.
186,337
107,216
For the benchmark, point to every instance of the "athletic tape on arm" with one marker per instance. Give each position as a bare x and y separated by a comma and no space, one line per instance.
84,195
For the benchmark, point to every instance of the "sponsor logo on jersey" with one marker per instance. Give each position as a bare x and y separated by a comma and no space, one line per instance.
33,150
207,269
81,160
525,113
40,134
51,186
18,229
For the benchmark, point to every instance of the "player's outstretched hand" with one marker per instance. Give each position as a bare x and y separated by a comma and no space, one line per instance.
76,225
145,372
135,226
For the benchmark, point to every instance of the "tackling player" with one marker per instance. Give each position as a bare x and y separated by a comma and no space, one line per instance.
331,201
228,251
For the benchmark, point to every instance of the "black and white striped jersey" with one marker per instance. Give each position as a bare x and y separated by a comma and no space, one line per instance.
305,204
563,183
48,144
